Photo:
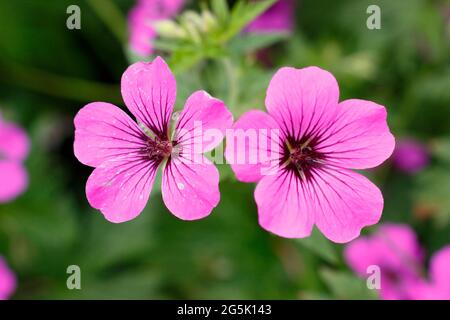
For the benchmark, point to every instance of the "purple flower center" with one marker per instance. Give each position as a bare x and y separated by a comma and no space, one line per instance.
157,149
301,157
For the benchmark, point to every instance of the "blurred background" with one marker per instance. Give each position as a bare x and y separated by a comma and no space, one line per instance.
48,72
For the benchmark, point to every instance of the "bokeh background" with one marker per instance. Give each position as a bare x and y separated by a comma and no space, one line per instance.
47,73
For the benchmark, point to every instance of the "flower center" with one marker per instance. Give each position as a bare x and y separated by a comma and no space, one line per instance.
301,157
157,149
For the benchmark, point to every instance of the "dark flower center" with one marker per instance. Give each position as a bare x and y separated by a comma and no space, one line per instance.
301,156
157,149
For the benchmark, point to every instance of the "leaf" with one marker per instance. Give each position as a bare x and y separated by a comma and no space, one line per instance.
321,246
347,286
220,9
252,42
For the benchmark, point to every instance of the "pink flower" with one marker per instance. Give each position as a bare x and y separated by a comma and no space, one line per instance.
7,281
320,140
141,19
126,155
278,18
437,287
396,251
14,147
410,156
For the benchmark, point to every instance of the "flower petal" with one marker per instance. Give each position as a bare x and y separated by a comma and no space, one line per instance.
254,145
202,123
284,207
8,281
440,269
347,202
360,137
360,254
13,180
120,188
303,101
398,248
14,142
149,91
190,191
103,132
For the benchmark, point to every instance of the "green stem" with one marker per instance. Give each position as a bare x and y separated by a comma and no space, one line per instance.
111,15
59,86
232,76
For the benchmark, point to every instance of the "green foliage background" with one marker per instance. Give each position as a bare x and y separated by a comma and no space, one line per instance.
47,73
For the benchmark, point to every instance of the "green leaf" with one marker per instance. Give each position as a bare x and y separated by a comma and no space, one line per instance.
220,9
321,246
252,42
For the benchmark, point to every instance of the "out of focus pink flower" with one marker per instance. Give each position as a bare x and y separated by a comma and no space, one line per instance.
7,280
278,18
14,146
141,19
437,287
397,252
410,156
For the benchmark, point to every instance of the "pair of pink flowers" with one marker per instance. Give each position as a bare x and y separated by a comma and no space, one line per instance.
397,252
14,147
320,140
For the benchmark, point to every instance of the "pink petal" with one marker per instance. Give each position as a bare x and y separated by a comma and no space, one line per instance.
202,114
359,254
149,91
7,281
303,101
440,270
103,132
14,142
360,137
120,188
284,205
190,191
346,201
278,18
254,145
398,247
13,180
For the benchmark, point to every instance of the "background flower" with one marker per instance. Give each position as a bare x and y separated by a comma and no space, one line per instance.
14,147
7,281
141,21
410,156
278,18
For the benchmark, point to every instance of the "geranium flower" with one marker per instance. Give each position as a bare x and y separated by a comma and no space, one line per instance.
7,281
278,18
437,284
396,251
14,147
394,248
141,21
127,154
410,156
320,140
